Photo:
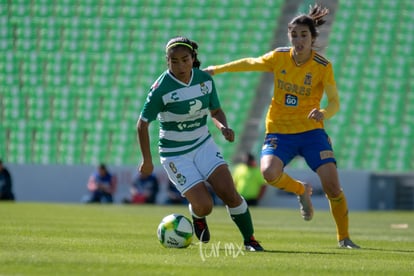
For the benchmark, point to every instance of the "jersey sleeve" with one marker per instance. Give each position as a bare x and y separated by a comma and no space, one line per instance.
263,63
152,106
214,100
331,92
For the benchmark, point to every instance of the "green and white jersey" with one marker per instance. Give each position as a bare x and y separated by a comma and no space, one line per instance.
182,111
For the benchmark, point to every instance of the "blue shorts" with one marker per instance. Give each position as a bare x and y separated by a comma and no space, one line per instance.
314,145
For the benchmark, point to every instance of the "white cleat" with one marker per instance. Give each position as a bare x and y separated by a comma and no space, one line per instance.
306,208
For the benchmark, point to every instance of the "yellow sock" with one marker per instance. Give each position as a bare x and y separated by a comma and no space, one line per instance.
339,210
288,184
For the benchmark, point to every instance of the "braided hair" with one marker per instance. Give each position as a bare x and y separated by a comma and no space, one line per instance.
184,42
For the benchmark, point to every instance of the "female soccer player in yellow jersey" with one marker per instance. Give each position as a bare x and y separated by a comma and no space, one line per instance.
294,121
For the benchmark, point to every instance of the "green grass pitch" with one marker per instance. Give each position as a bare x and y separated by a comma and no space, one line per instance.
74,239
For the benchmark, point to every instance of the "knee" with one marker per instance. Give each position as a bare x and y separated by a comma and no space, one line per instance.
203,209
270,174
271,168
333,193
332,190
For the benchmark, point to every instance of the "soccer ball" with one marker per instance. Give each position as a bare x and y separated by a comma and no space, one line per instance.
175,231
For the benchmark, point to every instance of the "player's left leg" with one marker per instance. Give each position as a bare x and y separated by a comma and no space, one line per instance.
337,201
318,153
222,183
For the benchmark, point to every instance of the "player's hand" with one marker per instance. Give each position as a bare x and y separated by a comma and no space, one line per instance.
228,133
316,115
209,70
146,168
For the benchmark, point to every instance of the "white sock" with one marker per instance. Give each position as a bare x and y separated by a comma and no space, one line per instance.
241,209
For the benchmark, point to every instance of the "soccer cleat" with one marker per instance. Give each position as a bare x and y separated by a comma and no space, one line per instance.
306,208
201,229
347,243
252,245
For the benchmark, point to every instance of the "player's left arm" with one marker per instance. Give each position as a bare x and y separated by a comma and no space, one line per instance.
220,121
333,101
331,91
331,108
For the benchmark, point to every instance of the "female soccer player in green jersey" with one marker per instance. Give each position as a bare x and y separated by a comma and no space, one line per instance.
182,98
294,122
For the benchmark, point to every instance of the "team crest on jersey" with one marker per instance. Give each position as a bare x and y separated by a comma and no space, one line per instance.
308,79
203,88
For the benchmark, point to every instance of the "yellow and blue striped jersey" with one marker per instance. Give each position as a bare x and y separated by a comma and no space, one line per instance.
297,88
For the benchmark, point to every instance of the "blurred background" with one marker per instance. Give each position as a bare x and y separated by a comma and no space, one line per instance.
74,75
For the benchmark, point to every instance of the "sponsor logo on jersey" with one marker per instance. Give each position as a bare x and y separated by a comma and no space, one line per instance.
291,100
294,88
174,96
182,126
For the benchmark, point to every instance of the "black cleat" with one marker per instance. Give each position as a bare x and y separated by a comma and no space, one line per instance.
201,229
347,243
253,245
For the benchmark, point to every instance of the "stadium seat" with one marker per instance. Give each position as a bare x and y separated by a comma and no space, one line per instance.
6,32
373,73
70,67
19,143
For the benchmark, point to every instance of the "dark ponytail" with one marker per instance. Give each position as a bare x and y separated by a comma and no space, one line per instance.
313,19
317,13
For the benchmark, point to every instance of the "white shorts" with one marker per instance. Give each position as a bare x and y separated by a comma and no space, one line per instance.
189,169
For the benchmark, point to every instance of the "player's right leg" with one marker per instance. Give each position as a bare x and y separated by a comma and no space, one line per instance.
186,178
200,205
272,166
301,189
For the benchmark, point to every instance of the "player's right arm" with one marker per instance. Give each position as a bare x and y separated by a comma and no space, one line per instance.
146,166
152,106
263,63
